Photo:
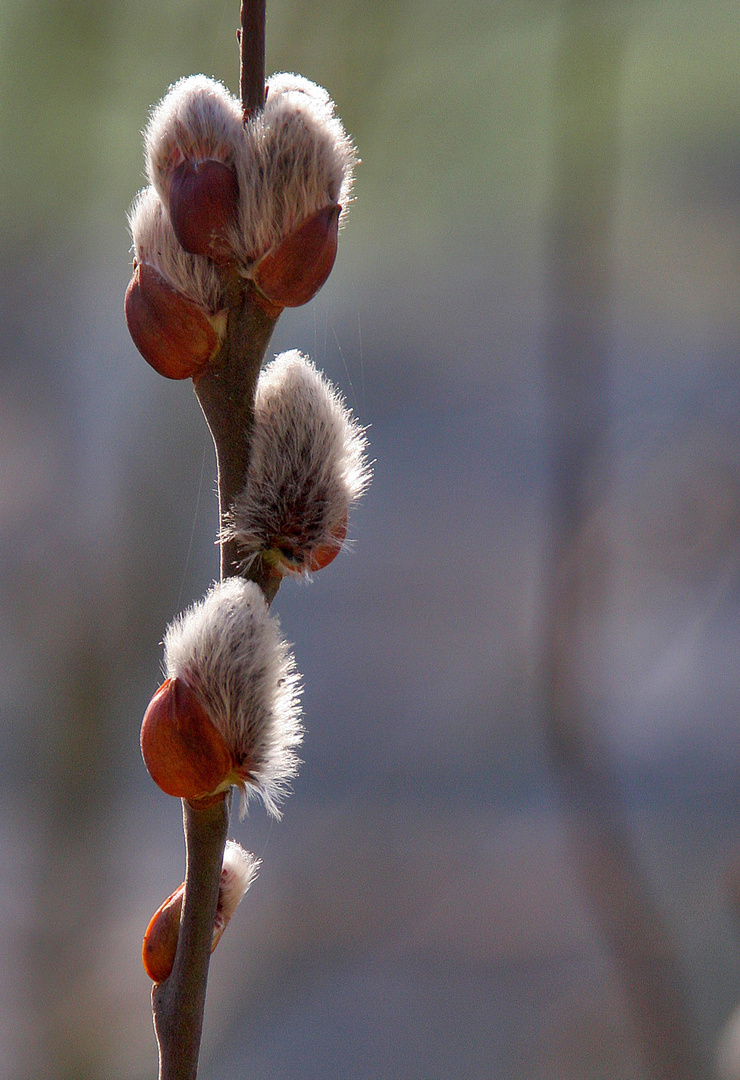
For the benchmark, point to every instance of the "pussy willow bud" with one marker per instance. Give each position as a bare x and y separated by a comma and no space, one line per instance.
160,940
171,332
183,751
307,467
191,144
175,304
229,711
294,178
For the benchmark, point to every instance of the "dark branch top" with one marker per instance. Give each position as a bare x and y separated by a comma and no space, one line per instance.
252,54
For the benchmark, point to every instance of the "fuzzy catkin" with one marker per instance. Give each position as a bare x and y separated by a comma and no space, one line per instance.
307,464
197,119
298,159
238,871
229,651
292,158
155,243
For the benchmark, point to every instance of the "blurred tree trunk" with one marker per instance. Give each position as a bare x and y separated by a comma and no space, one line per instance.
586,153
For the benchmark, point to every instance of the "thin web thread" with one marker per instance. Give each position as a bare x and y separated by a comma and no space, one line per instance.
195,522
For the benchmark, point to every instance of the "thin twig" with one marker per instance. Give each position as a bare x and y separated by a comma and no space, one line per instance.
252,51
178,1002
226,396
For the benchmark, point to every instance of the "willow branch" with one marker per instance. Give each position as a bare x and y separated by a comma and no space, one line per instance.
226,396
178,1002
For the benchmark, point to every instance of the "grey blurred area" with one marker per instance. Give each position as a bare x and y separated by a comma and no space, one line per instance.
430,907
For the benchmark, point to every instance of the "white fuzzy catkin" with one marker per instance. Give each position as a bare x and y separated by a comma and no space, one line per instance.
298,159
307,464
155,243
238,871
197,119
229,651
292,158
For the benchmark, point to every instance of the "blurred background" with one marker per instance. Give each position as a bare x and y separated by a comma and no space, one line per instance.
512,852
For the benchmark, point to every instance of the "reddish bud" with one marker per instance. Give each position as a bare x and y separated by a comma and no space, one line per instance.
238,871
162,933
326,553
203,200
290,555
170,331
183,751
294,271
160,939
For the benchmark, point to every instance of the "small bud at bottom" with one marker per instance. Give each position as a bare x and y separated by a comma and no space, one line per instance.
160,940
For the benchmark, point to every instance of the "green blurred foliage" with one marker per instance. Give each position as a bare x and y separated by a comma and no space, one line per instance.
450,105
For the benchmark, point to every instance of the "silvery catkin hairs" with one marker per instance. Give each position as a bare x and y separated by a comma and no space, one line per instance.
196,119
155,243
307,465
227,648
298,159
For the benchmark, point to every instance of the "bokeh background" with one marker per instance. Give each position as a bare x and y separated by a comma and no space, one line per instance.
540,181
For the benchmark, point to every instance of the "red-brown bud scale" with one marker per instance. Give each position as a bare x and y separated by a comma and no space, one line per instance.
170,331
183,751
203,201
294,271
160,940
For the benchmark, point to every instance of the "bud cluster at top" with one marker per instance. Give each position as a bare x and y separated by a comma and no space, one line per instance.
291,159
257,200
242,214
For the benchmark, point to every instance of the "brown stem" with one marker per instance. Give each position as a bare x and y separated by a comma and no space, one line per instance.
252,50
178,1002
226,396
